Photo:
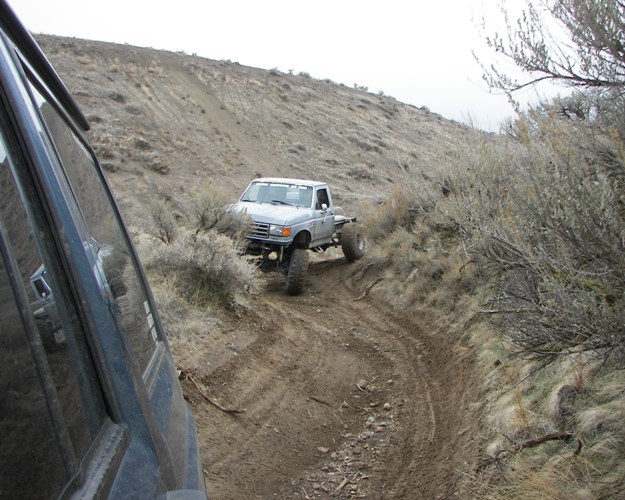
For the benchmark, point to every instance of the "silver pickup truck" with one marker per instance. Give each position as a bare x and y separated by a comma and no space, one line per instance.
291,216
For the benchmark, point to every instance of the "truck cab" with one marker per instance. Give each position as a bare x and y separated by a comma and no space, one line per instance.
91,405
289,211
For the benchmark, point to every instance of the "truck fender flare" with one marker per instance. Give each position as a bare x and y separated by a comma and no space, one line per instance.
302,239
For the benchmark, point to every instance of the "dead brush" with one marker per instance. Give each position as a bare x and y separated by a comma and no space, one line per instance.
539,224
559,257
164,221
206,267
209,211
382,220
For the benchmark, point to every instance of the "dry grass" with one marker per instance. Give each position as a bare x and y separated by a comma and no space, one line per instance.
589,465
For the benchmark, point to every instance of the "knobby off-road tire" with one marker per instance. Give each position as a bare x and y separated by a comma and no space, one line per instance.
352,242
298,266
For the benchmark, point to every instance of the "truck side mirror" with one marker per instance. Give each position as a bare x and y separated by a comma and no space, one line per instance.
324,207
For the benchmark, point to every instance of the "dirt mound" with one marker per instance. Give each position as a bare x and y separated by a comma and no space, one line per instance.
334,397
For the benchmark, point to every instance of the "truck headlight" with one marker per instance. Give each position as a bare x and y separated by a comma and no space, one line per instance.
284,231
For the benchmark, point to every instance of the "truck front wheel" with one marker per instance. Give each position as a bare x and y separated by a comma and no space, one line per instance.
298,265
352,242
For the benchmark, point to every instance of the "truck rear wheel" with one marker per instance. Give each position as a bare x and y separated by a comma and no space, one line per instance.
352,243
298,265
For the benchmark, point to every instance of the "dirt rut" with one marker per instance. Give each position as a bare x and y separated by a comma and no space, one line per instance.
336,397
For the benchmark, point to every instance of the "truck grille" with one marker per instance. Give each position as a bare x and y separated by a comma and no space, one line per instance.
259,230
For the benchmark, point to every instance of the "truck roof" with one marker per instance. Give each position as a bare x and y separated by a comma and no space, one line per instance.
283,180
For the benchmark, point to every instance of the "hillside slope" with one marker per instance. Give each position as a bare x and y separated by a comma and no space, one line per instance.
164,123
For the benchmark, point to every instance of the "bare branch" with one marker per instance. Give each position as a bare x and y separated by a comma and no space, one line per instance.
591,56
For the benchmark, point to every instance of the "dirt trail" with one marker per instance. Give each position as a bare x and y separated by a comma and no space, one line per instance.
338,399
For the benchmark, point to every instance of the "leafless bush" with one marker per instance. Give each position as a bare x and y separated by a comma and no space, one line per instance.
209,212
164,225
542,218
555,244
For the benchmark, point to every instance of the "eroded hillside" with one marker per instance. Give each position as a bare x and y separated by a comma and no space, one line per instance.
164,123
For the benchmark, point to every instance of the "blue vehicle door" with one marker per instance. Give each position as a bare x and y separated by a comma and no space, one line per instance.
91,404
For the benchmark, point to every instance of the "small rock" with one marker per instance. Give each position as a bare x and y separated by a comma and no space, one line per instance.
357,450
364,437
362,384
379,429
323,449
387,406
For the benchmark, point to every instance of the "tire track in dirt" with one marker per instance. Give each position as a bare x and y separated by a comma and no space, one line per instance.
340,399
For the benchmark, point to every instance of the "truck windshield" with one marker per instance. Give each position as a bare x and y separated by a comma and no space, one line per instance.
280,193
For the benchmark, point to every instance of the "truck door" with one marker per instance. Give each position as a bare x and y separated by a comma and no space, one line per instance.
324,217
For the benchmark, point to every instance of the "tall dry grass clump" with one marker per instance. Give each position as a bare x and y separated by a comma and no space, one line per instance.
526,235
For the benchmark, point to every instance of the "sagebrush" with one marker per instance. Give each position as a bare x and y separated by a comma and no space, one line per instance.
205,267
528,234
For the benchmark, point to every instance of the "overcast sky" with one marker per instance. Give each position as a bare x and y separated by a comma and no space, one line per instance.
419,52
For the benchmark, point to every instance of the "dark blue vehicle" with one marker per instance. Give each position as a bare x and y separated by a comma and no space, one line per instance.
90,403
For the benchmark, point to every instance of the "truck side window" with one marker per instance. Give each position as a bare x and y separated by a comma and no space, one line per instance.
322,197
49,411
115,265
